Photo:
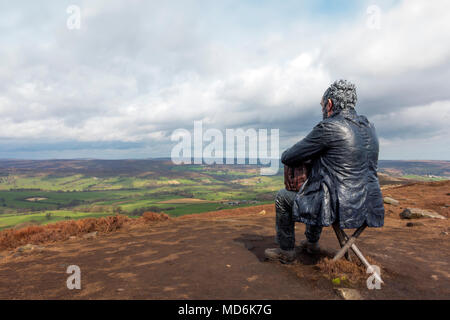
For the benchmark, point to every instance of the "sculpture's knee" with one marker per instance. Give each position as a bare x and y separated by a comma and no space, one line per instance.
280,198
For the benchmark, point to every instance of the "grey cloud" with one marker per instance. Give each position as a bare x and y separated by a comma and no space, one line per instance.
137,70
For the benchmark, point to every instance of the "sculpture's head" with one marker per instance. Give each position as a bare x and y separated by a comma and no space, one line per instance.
339,96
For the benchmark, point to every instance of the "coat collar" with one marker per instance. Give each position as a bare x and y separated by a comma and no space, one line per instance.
348,113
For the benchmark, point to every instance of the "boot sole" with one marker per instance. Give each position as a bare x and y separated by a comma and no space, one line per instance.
280,259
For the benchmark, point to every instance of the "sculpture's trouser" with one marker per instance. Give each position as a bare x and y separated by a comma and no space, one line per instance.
285,224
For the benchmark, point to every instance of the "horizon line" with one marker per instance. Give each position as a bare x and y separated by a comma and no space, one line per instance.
168,158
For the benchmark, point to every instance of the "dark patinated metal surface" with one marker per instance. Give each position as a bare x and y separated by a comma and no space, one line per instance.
343,180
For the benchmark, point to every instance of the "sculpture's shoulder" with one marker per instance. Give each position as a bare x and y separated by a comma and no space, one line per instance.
351,116
335,123
332,122
363,120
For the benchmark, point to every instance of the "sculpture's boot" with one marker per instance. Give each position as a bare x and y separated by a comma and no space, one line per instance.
310,247
277,254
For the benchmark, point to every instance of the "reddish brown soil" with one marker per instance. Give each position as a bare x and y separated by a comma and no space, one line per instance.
219,255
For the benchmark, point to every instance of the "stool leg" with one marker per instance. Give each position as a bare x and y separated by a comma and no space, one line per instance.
342,238
350,242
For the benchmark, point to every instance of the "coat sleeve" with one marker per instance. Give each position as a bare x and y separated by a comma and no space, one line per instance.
313,144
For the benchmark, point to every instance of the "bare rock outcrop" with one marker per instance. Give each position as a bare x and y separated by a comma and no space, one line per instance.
415,213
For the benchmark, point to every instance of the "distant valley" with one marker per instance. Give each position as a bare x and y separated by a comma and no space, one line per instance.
45,191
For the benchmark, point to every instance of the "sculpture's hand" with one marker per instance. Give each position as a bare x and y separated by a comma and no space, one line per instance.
294,177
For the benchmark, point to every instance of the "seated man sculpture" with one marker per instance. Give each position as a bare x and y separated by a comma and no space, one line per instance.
340,158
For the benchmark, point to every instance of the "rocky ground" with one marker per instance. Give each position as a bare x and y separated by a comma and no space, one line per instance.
219,255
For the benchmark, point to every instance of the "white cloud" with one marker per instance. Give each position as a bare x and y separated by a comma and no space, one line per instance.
136,75
412,36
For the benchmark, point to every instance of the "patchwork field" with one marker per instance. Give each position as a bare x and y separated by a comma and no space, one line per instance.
41,192
46,191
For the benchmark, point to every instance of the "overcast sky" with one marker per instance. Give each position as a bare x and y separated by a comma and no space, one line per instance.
135,71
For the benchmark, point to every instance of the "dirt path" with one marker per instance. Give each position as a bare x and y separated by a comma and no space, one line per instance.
220,256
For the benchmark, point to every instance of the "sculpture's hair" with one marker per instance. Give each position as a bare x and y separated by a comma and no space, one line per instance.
343,95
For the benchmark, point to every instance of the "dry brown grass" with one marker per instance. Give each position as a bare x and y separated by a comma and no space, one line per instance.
12,238
16,237
354,271
153,216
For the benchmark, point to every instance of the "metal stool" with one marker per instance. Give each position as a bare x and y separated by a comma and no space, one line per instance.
347,243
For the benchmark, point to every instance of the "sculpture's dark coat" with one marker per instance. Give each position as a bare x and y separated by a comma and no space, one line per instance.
343,181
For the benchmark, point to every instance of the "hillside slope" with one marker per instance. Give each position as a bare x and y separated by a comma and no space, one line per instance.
219,255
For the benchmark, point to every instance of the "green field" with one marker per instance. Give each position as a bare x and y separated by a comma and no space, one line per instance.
74,189
44,196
